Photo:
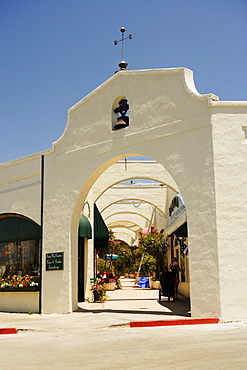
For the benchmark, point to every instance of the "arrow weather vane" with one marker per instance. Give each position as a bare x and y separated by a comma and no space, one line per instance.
122,64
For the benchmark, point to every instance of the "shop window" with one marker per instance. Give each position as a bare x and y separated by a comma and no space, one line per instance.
20,258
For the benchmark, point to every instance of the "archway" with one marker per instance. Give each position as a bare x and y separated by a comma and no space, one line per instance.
104,186
169,122
188,189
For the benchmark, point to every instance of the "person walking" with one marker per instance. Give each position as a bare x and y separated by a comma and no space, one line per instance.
175,268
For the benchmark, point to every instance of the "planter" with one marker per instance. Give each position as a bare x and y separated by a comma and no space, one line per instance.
24,289
96,296
19,300
155,285
109,286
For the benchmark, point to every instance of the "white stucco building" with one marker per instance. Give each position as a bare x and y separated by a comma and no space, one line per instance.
200,144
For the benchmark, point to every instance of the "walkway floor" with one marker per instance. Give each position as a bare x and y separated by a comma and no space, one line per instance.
132,299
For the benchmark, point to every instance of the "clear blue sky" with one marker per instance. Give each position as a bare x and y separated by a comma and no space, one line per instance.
54,52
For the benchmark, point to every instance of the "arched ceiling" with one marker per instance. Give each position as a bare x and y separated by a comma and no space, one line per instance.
134,204
134,169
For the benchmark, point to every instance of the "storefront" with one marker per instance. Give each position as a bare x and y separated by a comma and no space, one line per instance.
20,245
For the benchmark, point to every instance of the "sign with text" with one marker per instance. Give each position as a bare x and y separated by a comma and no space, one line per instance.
54,261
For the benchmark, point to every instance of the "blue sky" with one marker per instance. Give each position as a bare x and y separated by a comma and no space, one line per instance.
54,52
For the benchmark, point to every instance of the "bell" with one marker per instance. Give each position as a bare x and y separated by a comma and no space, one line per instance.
122,121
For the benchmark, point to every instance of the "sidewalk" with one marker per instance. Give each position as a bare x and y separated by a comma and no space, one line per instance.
124,306
99,336
130,304
134,300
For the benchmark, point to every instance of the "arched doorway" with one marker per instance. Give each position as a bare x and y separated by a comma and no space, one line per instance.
84,233
168,122
109,181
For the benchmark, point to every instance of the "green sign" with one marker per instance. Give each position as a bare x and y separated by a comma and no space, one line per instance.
54,261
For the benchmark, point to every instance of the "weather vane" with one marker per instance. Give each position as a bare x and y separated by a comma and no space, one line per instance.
123,64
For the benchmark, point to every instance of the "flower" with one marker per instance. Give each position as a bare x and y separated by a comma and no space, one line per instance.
33,283
98,291
15,281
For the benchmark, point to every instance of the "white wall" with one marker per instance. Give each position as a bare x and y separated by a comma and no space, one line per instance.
162,116
20,187
19,302
172,124
230,154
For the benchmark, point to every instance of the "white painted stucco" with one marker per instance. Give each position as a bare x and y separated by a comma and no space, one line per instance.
201,144
19,302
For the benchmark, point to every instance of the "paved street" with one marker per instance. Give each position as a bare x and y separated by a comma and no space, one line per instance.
98,337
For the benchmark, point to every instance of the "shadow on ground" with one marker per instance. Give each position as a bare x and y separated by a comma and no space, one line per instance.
180,307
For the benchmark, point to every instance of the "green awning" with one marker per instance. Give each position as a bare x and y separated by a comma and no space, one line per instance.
84,229
101,234
14,228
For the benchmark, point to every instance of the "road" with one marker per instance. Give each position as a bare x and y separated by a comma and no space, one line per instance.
98,337
97,341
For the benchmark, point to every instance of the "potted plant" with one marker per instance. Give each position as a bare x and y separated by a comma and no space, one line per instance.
155,284
110,286
109,282
99,293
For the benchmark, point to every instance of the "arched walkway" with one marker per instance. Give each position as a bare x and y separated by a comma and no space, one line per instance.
131,299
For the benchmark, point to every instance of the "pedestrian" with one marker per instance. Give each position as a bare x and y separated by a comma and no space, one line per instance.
175,268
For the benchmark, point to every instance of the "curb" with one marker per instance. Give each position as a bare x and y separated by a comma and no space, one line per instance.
8,331
139,324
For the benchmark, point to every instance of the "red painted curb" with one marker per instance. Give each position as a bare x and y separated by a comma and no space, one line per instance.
8,331
139,324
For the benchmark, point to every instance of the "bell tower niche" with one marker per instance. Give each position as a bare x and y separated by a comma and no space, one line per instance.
121,118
